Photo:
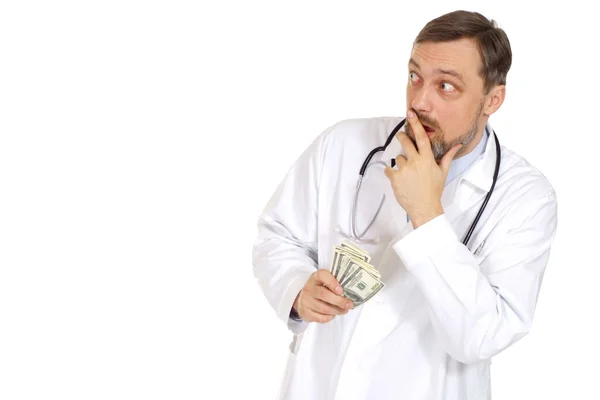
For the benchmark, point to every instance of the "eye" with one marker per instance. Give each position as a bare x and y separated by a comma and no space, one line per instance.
447,87
412,76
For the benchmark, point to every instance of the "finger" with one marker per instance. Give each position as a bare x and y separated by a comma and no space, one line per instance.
322,307
448,157
329,297
328,280
423,143
313,316
389,172
401,161
407,145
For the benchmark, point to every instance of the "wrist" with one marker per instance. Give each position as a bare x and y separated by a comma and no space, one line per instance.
295,304
422,217
294,314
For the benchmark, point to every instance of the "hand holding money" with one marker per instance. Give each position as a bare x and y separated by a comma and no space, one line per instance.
350,282
350,266
320,300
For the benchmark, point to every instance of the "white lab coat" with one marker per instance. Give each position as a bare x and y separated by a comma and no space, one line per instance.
446,308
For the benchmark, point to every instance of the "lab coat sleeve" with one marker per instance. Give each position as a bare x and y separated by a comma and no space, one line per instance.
478,310
285,251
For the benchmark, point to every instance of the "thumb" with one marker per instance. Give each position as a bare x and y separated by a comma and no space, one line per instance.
447,159
388,172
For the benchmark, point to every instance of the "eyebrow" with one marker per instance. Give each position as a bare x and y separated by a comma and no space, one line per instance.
440,70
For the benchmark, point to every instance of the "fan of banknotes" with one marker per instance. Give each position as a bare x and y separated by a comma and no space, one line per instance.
359,279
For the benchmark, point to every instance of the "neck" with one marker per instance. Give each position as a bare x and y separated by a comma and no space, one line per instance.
469,147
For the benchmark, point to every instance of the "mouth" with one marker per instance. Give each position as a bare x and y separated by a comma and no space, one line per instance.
429,130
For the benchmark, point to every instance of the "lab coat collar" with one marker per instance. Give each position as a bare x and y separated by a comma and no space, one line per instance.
480,173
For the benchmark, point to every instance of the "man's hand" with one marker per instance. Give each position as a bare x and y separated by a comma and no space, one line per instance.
419,181
321,298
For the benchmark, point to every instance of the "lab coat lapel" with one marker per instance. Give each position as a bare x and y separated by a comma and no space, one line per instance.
472,185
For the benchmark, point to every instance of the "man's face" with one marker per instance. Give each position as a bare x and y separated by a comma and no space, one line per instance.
447,93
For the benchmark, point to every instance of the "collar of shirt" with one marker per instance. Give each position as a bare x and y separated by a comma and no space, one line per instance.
459,165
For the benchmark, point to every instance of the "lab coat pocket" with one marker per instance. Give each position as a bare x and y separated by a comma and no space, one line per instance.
481,245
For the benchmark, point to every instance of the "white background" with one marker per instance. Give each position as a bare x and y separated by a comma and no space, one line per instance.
139,141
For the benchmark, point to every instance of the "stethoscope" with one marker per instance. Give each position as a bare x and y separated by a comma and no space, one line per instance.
359,237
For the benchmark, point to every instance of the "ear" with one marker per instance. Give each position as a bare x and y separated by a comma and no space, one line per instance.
494,99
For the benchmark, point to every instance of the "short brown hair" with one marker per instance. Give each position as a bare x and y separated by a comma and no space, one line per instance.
493,44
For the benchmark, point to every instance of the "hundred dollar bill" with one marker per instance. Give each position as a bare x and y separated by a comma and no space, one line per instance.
350,248
351,273
355,262
349,252
362,287
350,266
334,257
339,260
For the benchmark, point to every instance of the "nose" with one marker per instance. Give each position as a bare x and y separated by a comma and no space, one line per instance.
421,101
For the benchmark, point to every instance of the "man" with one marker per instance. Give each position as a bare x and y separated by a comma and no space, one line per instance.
447,307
